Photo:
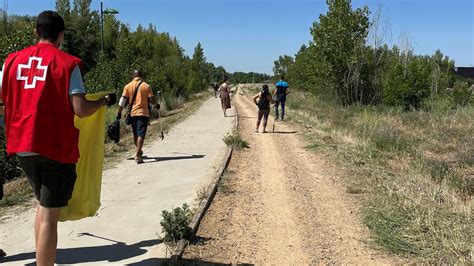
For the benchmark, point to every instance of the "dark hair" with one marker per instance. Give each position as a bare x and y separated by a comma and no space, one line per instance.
137,73
49,24
282,77
225,78
265,90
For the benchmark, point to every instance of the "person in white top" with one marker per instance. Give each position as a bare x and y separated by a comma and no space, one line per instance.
224,94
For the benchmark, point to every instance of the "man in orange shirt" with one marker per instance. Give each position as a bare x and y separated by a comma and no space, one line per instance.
138,95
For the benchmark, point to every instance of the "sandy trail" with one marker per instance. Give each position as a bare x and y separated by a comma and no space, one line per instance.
127,226
282,204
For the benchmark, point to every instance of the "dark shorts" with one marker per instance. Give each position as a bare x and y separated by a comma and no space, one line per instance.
139,126
52,181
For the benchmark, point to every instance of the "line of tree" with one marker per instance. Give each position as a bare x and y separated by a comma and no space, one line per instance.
343,63
158,54
249,77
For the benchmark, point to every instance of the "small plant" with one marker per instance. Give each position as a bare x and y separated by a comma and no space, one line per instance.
224,186
235,140
201,194
461,93
175,223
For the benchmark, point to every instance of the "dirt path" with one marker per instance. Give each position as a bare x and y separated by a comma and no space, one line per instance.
281,204
127,226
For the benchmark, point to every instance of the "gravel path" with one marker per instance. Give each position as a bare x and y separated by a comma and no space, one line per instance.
281,204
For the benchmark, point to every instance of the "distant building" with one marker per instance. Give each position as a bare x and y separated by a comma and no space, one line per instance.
467,72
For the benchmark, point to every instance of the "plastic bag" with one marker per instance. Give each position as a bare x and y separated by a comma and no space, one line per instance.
85,199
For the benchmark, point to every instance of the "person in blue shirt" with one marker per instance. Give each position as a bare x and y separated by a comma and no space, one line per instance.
280,93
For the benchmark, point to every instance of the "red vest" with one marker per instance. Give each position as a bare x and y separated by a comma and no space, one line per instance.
38,114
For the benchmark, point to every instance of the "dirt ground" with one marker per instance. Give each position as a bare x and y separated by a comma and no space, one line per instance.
282,204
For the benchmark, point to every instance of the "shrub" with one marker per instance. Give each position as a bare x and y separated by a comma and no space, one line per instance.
175,223
461,94
235,140
9,167
408,87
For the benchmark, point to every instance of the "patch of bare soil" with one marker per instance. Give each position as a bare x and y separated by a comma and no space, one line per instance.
281,204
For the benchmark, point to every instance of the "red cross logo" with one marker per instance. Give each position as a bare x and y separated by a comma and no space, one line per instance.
32,72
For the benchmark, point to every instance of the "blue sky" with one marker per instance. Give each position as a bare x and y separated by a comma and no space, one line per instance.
248,35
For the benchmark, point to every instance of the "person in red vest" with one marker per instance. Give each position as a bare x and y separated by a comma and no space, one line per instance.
42,90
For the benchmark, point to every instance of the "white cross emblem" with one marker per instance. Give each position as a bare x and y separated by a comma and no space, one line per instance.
26,72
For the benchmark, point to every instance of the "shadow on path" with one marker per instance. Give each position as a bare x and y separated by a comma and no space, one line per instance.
149,159
115,252
183,262
285,132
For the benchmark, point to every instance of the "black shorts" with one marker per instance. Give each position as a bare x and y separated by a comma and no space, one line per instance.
139,126
52,181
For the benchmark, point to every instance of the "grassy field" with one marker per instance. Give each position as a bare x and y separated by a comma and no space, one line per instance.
413,171
18,192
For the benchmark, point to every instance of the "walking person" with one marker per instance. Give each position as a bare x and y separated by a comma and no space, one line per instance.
42,90
216,88
263,100
224,94
137,95
280,94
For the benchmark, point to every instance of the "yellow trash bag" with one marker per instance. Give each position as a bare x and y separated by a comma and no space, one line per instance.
85,199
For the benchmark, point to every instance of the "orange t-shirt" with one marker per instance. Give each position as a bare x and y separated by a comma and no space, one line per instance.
140,106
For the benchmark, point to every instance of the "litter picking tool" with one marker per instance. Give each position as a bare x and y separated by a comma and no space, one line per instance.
274,121
162,135
99,237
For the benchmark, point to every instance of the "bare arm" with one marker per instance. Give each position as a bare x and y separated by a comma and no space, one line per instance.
83,107
255,97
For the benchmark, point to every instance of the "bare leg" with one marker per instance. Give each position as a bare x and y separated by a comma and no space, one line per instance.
139,145
265,120
47,238
259,119
37,224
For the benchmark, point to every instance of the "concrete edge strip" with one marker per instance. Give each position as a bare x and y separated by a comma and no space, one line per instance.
211,192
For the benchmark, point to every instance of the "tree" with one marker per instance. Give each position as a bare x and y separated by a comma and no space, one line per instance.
338,42
199,76
282,65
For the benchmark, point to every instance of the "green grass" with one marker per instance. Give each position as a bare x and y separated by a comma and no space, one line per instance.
17,192
224,183
234,139
413,171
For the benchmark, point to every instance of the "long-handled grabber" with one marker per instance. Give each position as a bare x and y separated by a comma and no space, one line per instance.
274,120
162,135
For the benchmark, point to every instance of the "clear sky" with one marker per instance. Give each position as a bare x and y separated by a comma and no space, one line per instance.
248,35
